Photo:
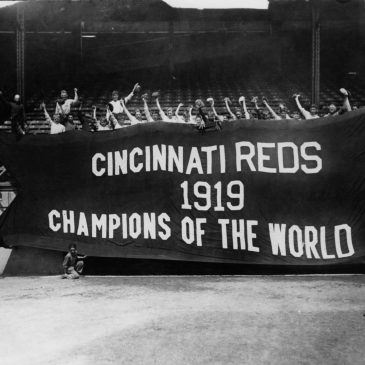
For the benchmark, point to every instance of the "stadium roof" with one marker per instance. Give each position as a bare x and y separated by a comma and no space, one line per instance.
218,4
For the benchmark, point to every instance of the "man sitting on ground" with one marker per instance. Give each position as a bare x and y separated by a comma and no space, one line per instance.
72,263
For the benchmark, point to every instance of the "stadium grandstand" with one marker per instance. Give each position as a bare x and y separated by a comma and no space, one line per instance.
185,53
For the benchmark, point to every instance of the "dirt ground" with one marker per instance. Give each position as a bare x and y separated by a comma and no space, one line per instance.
183,320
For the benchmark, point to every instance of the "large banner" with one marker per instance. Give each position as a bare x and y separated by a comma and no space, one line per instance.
258,192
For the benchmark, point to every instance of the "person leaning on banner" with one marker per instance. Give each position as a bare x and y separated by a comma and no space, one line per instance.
70,123
165,117
55,124
72,263
205,124
116,107
134,119
104,124
313,110
346,106
86,121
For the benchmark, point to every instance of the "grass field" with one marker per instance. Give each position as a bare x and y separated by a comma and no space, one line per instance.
183,320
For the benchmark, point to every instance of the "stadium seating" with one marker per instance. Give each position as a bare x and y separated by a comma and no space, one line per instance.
189,90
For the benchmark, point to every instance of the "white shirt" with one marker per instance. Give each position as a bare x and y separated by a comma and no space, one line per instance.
117,106
57,128
65,108
307,114
102,128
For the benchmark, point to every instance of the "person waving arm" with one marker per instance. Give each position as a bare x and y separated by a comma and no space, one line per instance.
227,102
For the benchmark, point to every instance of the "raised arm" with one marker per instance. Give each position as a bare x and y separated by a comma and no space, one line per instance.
58,110
285,110
211,101
96,123
128,98
304,112
179,118
94,113
110,117
48,118
199,105
191,117
132,118
271,110
227,102
76,96
242,102
146,109
346,101
162,114
85,125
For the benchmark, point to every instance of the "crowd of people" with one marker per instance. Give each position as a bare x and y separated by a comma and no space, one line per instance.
117,115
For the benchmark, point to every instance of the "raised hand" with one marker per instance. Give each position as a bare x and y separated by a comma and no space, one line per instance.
242,99
144,97
156,94
344,92
255,99
199,103
211,101
264,99
75,90
136,88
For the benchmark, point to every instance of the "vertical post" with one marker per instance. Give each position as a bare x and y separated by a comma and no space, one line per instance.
82,26
171,48
20,51
316,49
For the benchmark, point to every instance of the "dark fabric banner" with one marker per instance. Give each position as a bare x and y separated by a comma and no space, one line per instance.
258,192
